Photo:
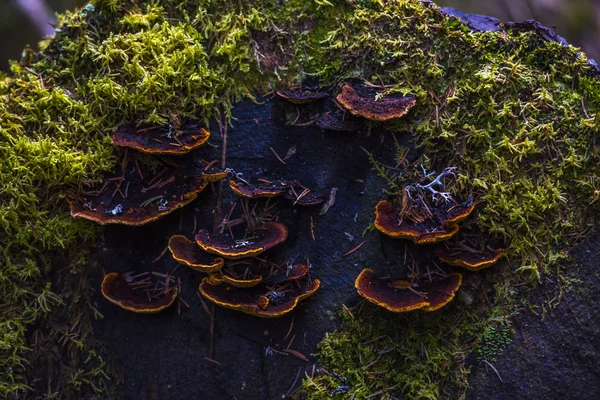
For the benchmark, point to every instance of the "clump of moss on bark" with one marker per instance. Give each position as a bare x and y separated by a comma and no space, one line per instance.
517,115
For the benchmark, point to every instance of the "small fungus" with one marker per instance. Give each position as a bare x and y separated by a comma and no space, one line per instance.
330,123
141,295
161,139
263,238
302,196
390,220
403,296
301,95
243,273
212,173
260,301
187,252
362,101
263,189
467,258
138,196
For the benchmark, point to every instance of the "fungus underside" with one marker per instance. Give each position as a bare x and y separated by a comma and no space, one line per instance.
518,116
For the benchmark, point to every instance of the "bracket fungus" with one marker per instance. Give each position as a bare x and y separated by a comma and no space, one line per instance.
187,252
138,196
403,296
263,238
264,189
301,95
302,196
364,102
148,292
468,258
260,301
391,221
211,173
330,123
164,140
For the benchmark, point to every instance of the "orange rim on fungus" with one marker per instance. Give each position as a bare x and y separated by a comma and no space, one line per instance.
243,273
259,301
440,293
471,260
187,252
268,235
361,101
263,189
211,173
118,290
459,213
388,221
161,139
300,95
139,196
403,296
395,299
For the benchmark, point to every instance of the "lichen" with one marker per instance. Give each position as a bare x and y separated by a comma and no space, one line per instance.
516,115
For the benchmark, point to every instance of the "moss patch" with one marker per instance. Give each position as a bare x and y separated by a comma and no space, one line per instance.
518,116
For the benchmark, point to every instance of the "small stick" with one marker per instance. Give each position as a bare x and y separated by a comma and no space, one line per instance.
293,384
212,361
296,354
354,249
277,155
494,368
289,330
160,255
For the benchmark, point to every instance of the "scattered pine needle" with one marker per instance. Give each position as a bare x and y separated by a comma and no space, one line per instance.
212,361
160,255
277,155
355,249
296,354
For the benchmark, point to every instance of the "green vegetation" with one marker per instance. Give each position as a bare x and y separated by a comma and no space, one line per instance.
516,115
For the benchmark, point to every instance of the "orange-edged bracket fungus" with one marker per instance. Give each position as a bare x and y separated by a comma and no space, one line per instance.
263,238
470,259
403,296
142,294
363,102
187,252
300,95
138,196
165,140
260,301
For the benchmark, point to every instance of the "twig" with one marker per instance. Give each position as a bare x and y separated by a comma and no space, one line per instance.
494,368
277,155
354,249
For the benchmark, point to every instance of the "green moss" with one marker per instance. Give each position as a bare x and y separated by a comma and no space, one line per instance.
516,115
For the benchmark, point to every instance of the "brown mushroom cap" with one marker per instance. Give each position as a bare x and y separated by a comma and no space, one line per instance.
251,272
118,290
268,235
140,197
361,101
263,189
379,292
471,260
440,293
458,213
259,301
387,219
212,173
300,95
398,297
187,252
160,139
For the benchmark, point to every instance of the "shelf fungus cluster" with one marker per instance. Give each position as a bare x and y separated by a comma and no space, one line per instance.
355,104
147,189
237,278
426,214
